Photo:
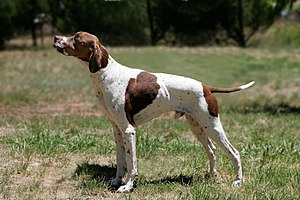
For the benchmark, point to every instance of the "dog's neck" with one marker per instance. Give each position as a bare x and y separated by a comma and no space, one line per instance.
85,64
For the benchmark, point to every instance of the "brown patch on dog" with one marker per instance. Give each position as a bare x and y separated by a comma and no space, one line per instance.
140,93
99,58
211,101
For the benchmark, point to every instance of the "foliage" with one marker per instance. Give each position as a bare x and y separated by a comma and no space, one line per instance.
187,22
129,22
115,21
17,16
6,20
246,17
197,22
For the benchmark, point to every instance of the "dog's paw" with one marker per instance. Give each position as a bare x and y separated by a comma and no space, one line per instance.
125,188
115,183
237,183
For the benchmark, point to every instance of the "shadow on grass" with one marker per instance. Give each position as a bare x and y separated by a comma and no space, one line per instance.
276,108
96,172
281,108
104,174
181,179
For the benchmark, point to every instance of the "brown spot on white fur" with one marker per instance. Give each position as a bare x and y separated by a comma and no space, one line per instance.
211,101
140,92
98,58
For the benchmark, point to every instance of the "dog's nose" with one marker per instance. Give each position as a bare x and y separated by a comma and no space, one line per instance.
56,41
56,38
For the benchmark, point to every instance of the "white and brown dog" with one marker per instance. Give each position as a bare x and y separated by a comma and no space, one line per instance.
130,97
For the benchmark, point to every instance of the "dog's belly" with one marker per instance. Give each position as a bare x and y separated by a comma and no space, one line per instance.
150,112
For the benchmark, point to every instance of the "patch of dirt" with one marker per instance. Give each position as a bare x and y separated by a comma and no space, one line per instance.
4,131
48,177
74,108
287,89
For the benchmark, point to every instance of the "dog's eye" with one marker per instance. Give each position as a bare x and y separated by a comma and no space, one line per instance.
82,43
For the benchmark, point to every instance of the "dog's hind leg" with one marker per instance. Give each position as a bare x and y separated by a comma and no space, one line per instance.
208,145
214,129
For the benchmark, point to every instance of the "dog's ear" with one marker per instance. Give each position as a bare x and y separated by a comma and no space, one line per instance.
105,56
98,58
95,58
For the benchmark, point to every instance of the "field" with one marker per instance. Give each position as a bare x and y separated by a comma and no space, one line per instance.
55,143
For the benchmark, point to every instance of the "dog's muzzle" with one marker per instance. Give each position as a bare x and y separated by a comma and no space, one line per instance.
59,43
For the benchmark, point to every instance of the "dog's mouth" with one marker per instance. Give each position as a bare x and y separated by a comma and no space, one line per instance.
60,48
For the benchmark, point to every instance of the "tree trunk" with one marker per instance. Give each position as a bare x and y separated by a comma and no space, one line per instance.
42,33
33,12
151,26
1,42
240,31
291,4
33,34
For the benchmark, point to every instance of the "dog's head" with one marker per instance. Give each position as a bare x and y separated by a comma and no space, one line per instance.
84,46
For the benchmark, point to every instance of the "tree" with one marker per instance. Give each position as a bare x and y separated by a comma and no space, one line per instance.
151,23
17,16
119,22
6,20
27,11
131,22
246,17
196,22
186,22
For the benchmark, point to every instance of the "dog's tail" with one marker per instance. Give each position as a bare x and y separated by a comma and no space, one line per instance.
229,90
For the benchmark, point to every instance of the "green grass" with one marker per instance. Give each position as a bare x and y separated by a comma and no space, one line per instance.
55,144
280,35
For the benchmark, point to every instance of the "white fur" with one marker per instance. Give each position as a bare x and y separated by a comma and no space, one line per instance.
61,44
243,87
64,39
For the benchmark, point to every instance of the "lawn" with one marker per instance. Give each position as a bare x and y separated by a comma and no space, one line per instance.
55,142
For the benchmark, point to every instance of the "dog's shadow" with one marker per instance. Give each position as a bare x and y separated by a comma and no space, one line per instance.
104,174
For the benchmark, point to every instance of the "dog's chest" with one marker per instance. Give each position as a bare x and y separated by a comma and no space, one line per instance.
109,93
110,88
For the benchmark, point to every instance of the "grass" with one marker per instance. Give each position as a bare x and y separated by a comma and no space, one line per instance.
281,35
55,143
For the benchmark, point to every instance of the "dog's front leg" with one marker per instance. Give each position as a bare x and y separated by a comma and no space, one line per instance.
121,159
129,142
